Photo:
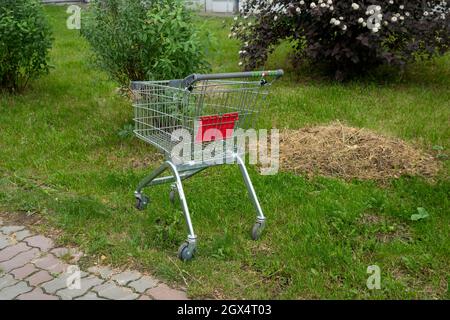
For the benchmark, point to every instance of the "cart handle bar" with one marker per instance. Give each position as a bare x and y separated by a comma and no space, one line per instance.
189,80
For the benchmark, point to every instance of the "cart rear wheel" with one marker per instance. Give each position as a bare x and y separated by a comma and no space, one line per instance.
185,253
257,229
142,202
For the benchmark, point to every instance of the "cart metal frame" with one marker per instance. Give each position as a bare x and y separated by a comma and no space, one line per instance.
164,106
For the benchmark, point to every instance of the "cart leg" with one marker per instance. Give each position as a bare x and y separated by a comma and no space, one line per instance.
187,249
260,218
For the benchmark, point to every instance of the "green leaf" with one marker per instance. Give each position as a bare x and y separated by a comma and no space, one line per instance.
421,214
126,132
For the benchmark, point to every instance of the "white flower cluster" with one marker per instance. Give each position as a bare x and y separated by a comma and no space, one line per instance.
328,4
339,22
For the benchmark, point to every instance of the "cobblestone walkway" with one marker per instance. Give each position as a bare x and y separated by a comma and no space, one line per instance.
32,268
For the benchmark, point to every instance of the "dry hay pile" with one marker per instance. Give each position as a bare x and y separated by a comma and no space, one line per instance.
340,151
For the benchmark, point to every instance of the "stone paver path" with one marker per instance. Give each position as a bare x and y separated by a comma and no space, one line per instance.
32,268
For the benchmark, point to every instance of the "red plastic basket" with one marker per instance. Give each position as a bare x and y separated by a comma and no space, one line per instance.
216,127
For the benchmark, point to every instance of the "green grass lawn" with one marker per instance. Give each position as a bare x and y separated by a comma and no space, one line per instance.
61,158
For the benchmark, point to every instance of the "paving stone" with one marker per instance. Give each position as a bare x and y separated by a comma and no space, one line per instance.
73,255
102,271
13,291
11,251
41,242
19,236
37,294
6,281
143,284
50,263
86,284
1,221
59,282
110,290
125,277
5,241
56,284
90,296
20,260
23,272
59,252
11,229
163,292
21,279
84,274
39,277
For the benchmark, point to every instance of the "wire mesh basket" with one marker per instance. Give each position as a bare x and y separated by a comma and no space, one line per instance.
207,109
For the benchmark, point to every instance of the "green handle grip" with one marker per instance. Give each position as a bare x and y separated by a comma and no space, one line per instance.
270,73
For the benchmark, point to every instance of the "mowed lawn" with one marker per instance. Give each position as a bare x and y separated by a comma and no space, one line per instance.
61,159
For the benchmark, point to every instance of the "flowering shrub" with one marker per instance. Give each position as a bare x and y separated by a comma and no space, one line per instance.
25,41
347,36
144,39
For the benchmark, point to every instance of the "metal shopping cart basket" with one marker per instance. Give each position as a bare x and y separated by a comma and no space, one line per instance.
183,118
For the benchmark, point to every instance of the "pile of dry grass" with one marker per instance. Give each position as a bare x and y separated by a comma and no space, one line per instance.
340,151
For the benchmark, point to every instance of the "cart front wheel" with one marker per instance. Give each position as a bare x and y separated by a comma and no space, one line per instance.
257,230
142,202
186,253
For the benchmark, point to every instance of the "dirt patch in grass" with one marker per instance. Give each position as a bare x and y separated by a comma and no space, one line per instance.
146,162
345,152
370,218
35,222
20,219
386,229
133,156
399,232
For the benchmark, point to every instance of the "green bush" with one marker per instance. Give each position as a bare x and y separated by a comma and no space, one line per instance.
144,39
25,40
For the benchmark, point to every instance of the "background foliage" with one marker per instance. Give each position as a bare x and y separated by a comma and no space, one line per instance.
25,40
144,40
345,37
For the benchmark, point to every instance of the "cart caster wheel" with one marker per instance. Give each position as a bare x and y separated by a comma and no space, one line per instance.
142,202
257,230
186,253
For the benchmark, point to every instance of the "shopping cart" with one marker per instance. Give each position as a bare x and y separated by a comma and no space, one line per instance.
183,118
